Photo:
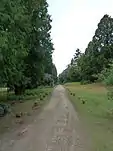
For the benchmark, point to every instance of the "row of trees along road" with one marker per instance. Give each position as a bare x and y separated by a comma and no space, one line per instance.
97,57
25,44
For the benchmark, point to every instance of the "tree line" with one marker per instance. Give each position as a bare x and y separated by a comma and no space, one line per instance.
25,45
95,64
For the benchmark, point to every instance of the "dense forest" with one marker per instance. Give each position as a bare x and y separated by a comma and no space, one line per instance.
25,45
96,63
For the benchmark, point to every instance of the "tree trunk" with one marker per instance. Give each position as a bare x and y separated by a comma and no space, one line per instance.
19,90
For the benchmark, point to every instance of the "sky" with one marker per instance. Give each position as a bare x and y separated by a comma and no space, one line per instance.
73,26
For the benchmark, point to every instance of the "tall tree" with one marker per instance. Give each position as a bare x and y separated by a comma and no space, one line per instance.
100,50
77,55
25,43
41,47
13,47
54,73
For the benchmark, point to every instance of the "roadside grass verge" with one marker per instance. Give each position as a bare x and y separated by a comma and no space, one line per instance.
96,111
22,105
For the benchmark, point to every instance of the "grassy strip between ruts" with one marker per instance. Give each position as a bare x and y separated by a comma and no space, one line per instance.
93,106
24,105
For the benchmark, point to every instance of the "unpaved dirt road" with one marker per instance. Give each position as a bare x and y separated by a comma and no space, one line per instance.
56,128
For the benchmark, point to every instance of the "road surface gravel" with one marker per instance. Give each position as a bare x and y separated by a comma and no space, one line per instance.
56,128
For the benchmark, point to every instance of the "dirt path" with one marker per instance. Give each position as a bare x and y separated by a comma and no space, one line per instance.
57,128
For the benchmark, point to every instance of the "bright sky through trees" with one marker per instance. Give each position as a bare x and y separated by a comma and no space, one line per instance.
74,24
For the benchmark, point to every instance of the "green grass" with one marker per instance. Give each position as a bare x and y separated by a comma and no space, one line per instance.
97,113
29,94
9,121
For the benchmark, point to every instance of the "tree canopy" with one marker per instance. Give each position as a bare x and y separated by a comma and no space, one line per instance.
97,56
25,43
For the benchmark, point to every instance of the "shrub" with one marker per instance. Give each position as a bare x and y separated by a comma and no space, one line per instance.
41,98
109,79
46,93
2,113
4,109
102,76
73,94
15,97
106,76
44,96
85,82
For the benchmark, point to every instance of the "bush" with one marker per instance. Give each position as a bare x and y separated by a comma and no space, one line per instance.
106,76
109,79
110,93
41,98
46,93
15,98
73,94
2,113
4,109
85,82
102,76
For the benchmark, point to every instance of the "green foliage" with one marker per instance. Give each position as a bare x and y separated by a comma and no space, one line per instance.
13,97
13,48
84,82
104,73
39,59
96,59
72,72
25,43
99,50
63,77
54,73
109,78
106,76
